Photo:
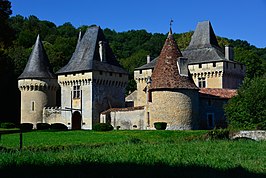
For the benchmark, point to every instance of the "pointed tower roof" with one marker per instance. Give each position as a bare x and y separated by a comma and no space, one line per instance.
203,36
87,58
38,66
166,74
203,46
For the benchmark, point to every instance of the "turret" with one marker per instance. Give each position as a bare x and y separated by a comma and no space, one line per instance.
38,85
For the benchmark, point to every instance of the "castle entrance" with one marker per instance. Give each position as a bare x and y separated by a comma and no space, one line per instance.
76,120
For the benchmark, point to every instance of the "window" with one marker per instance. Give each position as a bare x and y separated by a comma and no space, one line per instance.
226,65
140,71
110,73
33,106
210,120
214,64
149,96
101,72
234,65
76,90
120,75
201,82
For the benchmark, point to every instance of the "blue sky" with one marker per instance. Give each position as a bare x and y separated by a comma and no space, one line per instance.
234,19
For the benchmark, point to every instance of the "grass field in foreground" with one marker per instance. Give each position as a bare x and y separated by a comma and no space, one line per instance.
130,154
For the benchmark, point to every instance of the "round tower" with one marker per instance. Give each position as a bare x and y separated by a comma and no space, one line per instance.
174,94
38,85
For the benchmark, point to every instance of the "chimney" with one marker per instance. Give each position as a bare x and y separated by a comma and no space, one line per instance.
102,51
229,53
148,59
182,64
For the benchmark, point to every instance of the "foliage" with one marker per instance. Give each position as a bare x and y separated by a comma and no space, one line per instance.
58,126
247,109
102,127
43,126
26,126
160,125
7,125
218,134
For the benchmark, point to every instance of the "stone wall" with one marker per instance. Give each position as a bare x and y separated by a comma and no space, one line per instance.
55,115
140,78
35,95
212,106
179,109
125,118
219,74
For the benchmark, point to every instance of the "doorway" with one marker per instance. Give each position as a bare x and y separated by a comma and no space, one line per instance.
76,120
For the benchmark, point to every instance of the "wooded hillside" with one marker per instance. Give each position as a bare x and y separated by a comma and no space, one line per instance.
18,35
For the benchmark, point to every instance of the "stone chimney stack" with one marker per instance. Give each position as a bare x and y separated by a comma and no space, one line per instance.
148,59
229,53
102,51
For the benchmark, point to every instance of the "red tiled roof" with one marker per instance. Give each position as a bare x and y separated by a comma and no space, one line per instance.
165,74
123,109
218,92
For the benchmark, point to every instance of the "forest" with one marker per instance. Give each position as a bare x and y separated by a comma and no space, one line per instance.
18,35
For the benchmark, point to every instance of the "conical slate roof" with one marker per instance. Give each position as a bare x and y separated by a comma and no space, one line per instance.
203,46
166,74
38,66
86,56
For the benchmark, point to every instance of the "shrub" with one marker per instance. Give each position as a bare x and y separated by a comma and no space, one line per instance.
43,126
102,127
261,126
160,125
7,125
218,134
58,126
26,126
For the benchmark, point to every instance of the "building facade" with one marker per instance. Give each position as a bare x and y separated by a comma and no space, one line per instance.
91,82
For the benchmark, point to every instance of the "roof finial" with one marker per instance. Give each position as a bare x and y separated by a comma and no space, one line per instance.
171,23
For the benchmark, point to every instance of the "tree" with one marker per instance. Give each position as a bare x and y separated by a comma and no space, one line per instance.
5,32
247,109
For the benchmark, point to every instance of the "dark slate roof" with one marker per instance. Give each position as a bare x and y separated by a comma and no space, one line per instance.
165,74
203,46
149,65
86,56
38,66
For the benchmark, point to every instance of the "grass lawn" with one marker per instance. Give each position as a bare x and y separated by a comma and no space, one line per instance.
129,154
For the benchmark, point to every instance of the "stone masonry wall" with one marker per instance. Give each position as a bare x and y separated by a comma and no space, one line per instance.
178,108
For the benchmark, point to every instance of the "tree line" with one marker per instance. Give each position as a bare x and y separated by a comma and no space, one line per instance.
18,35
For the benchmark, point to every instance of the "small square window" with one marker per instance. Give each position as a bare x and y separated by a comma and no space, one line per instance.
214,64
200,65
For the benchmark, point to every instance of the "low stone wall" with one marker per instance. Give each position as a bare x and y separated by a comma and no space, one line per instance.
257,135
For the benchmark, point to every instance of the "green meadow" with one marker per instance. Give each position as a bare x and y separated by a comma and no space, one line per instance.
129,154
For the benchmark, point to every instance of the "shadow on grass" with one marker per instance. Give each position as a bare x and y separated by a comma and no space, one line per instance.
124,170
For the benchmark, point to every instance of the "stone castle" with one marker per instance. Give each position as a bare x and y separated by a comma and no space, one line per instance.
186,89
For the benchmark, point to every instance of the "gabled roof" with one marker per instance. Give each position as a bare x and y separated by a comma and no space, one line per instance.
165,74
38,65
86,56
203,46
